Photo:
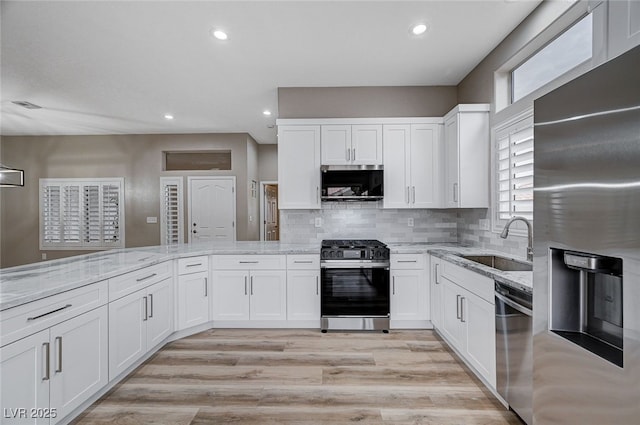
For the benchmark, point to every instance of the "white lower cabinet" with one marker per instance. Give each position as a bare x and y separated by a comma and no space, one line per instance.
249,295
303,295
436,292
137,322
409,291
468,319
55,370
193,300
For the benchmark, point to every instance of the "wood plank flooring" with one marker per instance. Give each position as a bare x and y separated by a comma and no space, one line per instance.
303,377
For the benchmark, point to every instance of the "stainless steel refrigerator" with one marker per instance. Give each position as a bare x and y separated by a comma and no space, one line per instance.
586,343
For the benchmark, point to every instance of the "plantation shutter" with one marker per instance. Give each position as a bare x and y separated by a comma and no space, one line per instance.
514,150
81,213
172,210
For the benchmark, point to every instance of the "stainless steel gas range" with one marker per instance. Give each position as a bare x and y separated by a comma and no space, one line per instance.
355,285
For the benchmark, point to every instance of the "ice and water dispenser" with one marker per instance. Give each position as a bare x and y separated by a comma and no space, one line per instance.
586,302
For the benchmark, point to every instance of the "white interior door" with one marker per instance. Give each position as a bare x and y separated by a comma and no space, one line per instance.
212,209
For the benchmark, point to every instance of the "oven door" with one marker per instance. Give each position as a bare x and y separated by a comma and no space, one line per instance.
350,290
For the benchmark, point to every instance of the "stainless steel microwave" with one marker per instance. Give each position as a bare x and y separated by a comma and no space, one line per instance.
352,182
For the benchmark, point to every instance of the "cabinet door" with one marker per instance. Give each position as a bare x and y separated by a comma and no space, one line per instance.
268,295
452,326
395,147
451,186
425,159
335,144
303,295
366,144
299,167
624,26
230,295
160,312
193,300
479,318
409,299
127,332
436,294
79,364
473,159
25,384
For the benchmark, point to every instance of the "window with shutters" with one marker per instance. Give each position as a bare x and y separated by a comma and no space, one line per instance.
81,213
514,173
171,207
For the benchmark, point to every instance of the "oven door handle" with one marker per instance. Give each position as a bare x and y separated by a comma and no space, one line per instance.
356,266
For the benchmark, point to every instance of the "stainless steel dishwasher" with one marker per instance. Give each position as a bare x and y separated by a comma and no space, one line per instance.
514,349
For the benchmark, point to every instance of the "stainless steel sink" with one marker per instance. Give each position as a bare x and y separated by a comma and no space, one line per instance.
500,263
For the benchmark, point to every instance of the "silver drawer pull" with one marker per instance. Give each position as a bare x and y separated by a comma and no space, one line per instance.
303,262
51,312
150,306
407,261
249,262
194,265
146,277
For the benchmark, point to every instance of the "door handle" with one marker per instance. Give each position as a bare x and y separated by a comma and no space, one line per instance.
436,276
206,289
393,290
458,307
455,192
146,311
413,190
354,154
47,367
59,344
151,306
408,200
245,285
195,231
317,287
462,309
251,285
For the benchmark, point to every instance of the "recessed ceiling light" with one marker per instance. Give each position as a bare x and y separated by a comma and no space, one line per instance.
419,29
219,34
266,113
168,117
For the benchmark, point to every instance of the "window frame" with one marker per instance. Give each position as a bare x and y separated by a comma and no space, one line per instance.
164,216
81,244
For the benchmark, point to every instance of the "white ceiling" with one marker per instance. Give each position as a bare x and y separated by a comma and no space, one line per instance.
117,67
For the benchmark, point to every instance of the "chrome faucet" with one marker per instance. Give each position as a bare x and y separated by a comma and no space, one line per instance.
505,233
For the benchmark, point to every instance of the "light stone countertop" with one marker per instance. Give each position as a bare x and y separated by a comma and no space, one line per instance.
22,284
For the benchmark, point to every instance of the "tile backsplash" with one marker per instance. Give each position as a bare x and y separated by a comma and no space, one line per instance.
368,220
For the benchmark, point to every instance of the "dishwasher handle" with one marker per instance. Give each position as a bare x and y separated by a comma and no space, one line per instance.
514,305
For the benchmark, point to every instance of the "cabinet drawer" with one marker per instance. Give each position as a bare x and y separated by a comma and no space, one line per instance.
303,262
249,262
408,261
476,283
193,264
125,284
33,317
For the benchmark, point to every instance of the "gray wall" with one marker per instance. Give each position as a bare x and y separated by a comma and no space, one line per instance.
268,162
137,158
253,199
365,102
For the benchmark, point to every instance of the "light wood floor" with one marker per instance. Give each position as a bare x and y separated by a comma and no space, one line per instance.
300,377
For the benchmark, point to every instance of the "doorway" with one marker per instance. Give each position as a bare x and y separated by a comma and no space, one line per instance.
212,208
269,214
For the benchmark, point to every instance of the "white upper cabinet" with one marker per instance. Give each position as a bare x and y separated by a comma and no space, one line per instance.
351,144
623,26
466,157
299,167
412,165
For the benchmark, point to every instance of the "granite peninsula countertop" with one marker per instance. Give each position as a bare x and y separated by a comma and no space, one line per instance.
22,284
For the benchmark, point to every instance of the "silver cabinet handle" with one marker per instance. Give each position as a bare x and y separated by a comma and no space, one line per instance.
193,265
317,287
245,285
348,155
354,154
458,307
249,262
51,312
302,262
455,192
146,277
206,289
47,357
462,309
436,277
146,309
393,290
59,344
251,285
407,261
408,200
413,190
151,306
